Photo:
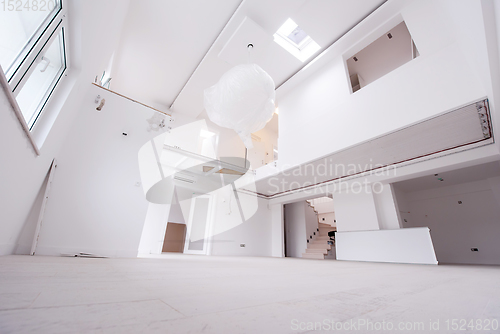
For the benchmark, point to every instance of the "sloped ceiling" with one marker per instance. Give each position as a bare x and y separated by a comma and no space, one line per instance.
163,42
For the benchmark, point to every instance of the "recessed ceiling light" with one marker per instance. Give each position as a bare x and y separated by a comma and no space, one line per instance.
295,40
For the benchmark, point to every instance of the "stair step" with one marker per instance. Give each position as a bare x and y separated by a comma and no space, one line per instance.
317,256
319,246
317,250
319,242
324,225
324,230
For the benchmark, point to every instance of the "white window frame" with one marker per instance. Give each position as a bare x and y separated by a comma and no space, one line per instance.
21,69
302,51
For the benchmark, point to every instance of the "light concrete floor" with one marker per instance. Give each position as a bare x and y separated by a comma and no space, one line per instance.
194,294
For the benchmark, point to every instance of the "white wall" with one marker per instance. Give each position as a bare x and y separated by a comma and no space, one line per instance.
295,229
300,224
175,215
329,118
355,210
25,240
455,67
311,220
329,218
97,207
255,233
456,228
324,206
479,43
401,246
24,174
278,230
152,235
387,210
494,183
97,203
403,207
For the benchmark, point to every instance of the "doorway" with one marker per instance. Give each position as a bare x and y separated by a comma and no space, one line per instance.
309,229
198,227
175,236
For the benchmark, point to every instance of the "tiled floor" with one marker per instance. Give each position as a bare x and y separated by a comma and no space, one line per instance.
195,294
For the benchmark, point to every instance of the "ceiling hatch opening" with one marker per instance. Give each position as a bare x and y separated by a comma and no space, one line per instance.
390,51
296,41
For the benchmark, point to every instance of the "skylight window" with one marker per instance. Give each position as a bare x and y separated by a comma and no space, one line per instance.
295,40
298,36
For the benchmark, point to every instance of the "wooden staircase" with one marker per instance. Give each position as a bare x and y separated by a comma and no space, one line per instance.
317,248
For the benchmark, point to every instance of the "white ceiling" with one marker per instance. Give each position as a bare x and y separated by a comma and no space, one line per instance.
163,42
451,178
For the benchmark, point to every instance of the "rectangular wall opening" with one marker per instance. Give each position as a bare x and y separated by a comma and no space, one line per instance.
384,55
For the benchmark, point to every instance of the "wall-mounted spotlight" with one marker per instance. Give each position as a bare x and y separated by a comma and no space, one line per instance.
100,101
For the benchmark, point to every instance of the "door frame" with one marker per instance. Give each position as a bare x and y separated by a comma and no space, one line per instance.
208,226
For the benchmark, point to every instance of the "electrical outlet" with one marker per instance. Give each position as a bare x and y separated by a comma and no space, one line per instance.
242,245
474,250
